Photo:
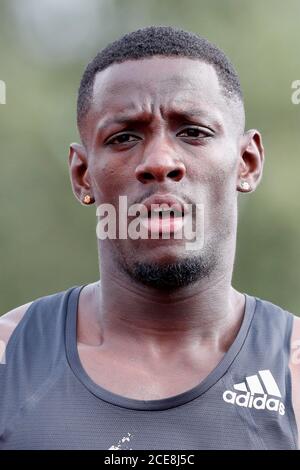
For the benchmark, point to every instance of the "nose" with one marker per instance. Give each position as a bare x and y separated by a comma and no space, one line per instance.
159,165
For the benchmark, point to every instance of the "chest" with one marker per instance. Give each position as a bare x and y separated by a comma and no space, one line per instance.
131,378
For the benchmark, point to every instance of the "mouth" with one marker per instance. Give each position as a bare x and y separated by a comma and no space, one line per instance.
165,215
163,211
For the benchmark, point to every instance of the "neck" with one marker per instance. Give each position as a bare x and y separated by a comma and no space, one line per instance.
209,311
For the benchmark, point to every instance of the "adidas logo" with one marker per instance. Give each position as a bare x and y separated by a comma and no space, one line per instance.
262,385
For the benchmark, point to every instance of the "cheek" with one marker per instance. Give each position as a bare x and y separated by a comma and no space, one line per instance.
215,169
223,203
216,181
109,179
223,187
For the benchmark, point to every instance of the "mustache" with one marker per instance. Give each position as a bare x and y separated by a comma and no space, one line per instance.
186,199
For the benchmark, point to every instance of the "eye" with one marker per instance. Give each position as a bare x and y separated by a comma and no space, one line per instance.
195,132
123,138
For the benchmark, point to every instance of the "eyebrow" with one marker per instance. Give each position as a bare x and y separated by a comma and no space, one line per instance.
187,115
123,119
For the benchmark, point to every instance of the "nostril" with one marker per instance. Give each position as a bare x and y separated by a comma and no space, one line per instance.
175,174
148,176
159,172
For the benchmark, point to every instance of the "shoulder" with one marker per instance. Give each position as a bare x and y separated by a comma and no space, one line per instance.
284,328
274,323
10,320
296,328
295,348
295,368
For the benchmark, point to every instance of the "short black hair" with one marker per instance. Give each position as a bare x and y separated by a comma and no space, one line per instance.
158,41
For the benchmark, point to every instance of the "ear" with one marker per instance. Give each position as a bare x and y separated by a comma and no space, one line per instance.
251,161
78,167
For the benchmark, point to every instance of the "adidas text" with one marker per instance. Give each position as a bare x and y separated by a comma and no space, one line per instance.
249,401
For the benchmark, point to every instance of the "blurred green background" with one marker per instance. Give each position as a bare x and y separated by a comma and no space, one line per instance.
47,239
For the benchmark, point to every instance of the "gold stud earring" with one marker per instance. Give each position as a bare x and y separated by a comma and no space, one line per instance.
87,199
245,185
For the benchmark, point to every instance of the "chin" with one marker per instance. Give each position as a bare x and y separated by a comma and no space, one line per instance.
162,255
169,271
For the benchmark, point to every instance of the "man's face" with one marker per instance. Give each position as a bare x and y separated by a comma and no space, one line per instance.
162,126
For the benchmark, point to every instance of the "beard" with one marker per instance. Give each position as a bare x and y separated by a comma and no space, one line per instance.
175,275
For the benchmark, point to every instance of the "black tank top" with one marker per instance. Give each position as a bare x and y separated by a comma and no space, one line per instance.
47,401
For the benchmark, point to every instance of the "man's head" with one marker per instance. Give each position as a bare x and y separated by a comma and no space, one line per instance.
157,41
160,114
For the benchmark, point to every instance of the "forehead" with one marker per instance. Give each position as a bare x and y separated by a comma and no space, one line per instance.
156,83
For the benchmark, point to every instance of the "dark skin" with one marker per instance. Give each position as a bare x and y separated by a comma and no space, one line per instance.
182,137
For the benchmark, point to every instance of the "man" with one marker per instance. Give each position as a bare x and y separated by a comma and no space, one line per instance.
163,353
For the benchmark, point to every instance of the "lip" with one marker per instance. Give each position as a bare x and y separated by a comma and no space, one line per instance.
171,225
166,200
